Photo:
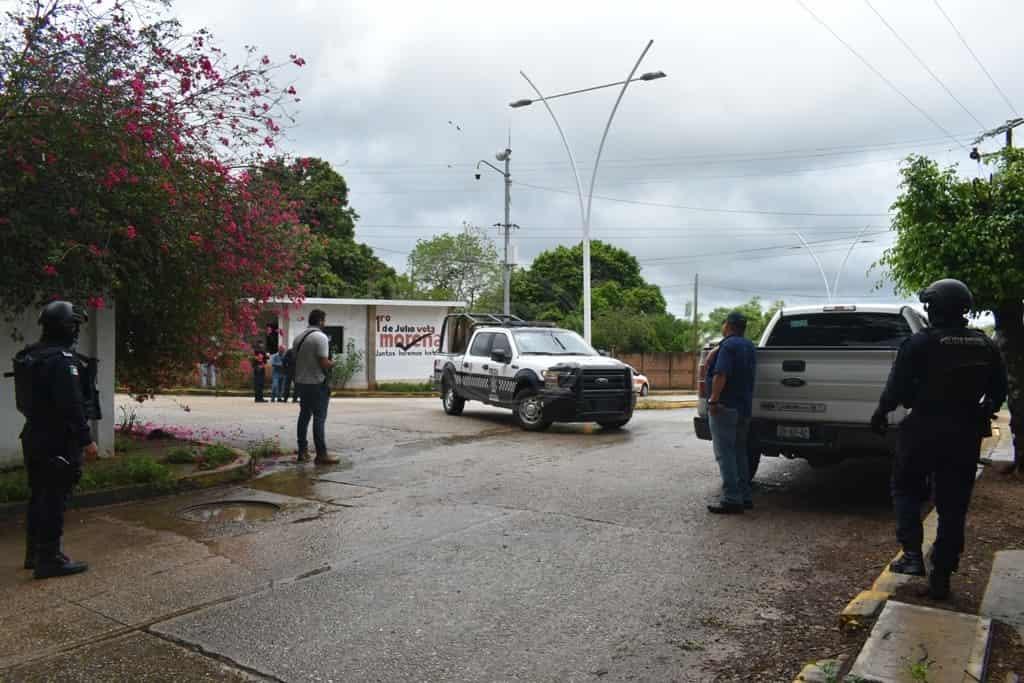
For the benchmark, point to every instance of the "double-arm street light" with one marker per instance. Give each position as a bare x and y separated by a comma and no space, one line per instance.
585,206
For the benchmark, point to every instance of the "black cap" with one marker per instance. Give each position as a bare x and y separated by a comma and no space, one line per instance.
736,319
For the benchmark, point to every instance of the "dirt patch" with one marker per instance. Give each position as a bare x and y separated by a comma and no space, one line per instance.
994,523
817,594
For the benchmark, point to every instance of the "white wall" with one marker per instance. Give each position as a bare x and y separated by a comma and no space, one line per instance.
403,324
97,339
393,324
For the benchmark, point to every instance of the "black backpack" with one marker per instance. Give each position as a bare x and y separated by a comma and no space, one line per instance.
29,358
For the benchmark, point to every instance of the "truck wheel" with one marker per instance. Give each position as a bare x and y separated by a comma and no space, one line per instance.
529,410
644,390
753,460
617,424
450,399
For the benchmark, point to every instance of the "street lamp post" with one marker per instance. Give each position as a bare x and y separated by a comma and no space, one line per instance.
586,206
506,156
828,289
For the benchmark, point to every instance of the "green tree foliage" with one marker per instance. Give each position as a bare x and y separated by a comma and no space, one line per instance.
757,315
338,265
972,230
456,266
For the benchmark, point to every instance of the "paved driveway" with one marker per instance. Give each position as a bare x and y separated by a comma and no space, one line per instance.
451,548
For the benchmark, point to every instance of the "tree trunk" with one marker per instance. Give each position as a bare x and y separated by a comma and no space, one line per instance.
1010,338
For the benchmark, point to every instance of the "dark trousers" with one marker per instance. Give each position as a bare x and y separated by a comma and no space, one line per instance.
287,386
50,488
258,378
942,452
313,402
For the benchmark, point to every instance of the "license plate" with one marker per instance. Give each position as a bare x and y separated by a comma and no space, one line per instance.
790,432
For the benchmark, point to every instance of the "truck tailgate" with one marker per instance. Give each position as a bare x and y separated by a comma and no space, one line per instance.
806,384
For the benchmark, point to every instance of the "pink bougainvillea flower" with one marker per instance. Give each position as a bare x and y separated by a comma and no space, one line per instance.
96,302
130,232
49,270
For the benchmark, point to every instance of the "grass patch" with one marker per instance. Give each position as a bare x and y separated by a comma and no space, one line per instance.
180,455
216,455
267,448
405,387
124,443
114,472
13,486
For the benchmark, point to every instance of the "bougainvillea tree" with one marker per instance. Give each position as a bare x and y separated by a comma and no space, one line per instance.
126,143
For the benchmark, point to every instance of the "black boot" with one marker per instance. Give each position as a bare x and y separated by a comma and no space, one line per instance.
50,562
938,585
910,562
30,552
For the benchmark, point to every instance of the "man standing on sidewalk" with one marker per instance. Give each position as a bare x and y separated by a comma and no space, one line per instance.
312,374
729,406
953,380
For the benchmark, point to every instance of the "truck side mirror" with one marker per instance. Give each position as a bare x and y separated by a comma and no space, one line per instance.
604,352
501,356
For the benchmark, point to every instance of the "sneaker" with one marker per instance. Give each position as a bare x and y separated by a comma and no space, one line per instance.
301,457
326,459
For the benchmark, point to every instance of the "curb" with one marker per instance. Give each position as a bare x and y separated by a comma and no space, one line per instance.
648,404
337,393
239,470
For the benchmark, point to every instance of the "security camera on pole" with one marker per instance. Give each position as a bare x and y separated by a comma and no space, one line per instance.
506,276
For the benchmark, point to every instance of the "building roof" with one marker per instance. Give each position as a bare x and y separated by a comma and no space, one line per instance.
422,303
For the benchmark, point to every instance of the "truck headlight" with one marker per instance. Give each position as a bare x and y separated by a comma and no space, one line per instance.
557,378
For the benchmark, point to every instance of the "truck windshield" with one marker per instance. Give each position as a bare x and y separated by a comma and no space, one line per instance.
552,343
885,330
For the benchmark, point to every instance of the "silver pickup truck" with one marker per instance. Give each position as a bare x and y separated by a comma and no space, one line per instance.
820,371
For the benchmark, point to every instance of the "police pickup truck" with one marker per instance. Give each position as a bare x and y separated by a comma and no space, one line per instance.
543,374
820,371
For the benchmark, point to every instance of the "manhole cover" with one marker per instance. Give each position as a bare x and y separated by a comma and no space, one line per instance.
230,511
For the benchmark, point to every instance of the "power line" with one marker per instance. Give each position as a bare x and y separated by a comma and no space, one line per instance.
923,65
724,157
880,74
705,209
675,259
977,60
667,228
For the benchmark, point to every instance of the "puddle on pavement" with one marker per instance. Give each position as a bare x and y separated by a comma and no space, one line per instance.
306,484
230,511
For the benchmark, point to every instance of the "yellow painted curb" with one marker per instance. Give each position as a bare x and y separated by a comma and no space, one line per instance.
865,606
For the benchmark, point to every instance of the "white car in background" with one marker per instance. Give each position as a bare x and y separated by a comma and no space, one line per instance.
641,384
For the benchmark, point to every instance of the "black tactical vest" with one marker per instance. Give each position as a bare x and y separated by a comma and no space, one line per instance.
955,369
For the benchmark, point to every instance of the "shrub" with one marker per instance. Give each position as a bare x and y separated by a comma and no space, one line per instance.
124,472
180,456
13,486
216,455
266,448
346,365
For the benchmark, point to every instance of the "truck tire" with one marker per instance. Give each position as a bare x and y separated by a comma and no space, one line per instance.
529,410
644,390
450,399
753,458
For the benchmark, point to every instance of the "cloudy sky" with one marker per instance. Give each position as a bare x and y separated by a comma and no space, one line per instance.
766,125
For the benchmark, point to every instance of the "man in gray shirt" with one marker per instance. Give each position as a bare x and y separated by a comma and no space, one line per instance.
312,374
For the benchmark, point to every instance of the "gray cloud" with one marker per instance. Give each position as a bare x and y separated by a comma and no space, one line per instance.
763,111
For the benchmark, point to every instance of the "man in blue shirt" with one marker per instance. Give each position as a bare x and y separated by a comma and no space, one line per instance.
731,374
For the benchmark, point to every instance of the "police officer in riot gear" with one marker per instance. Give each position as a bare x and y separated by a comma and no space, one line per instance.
952,379
56,435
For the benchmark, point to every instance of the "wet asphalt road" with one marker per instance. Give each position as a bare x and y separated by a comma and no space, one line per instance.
445,548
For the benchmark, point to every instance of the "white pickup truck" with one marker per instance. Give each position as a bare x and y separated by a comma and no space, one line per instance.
544,374
820,372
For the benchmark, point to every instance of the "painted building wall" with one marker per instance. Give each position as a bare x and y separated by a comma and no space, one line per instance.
97,339
387,333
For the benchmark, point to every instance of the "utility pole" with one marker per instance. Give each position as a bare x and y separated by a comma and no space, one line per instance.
1006,128
506,275
696,330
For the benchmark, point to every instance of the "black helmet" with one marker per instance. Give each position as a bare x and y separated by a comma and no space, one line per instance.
61,319
947,297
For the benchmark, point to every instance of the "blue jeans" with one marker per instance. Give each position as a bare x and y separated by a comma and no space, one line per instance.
277,385
729,441
313,402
